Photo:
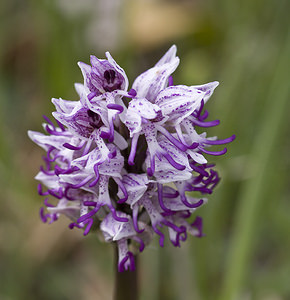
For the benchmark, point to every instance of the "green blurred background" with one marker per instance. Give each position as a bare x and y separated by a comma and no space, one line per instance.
243,44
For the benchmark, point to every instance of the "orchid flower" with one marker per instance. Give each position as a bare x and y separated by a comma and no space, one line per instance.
126,162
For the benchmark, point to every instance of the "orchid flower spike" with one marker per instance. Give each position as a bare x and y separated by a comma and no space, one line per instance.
125,162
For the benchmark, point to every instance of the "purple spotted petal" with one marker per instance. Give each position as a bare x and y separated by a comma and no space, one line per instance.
179,102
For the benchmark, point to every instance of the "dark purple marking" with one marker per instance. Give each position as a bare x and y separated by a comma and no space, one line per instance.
112,154
193,146
201,189
216,153
160,198
198,112
173,162
73,225
71,147
171,225
132,261
47,204
115,107
133,151
104,135
141,243
52,132
89,223
111,134
70,170
56,193
203,116
116,217
82,183
94,119
180,236
46,172
205,124
132,93
40,192
112,81
88,215
135,221
61,126
110,76
199,169
161,240
124,191
96,170
172,139
170,196
170,81
190,205
90,203
121,266
42,215
186,214
48,154
151,169
48,121
91,95
198,225
221,142
66,194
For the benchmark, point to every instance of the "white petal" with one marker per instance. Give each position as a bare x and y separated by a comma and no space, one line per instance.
149,83
71,212
144,108
45,141
133,121
64,106
168,56
50,181
197,157
207,88
82,90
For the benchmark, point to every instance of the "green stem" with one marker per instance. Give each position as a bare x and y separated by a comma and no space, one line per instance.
126,283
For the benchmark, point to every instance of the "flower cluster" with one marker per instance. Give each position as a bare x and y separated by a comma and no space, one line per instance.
122,161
